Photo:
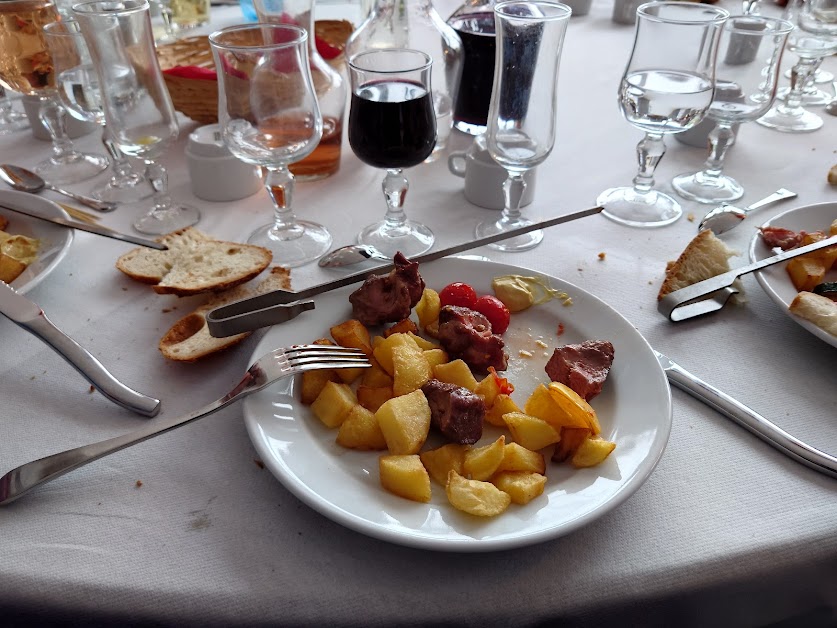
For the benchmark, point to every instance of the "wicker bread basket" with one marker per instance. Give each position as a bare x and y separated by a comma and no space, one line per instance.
198,98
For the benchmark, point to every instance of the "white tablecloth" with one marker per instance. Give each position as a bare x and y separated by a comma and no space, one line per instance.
725,532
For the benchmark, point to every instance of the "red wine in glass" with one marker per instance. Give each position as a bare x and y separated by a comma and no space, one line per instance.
478,45
392,124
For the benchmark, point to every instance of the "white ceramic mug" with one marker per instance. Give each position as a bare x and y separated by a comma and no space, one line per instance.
216,174
484,177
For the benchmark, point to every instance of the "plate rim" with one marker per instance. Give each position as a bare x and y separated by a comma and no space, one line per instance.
402,537
763,279
53,207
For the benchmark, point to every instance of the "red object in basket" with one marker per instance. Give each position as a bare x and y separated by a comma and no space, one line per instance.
192,72
326,50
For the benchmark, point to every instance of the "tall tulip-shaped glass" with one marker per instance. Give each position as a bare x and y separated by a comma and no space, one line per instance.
667,88
392,125
813,39
138,109
269,116
78,86
521,118
26,67
749,59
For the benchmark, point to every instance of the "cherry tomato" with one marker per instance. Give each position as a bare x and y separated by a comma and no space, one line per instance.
460,294
495,311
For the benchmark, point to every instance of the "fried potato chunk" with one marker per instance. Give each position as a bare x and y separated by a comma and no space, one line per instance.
405,422
405,476
571,439
427,309
502,405
441,461
360,430
518,458
521,486
410,369
531,432
592,451
373,397
481,462
475,497
333,404
456,372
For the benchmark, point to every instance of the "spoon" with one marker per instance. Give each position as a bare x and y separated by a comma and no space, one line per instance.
725,217
831,108
27,181
350,254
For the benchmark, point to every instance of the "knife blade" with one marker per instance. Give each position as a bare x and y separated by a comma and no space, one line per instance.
83,226
747,418
270,308
28,315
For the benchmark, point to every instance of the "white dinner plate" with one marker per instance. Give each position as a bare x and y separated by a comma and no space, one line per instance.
634,409
55,240
774,279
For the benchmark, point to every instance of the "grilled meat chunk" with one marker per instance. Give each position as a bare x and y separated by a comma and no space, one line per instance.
582,367
388,298
455,411
466,334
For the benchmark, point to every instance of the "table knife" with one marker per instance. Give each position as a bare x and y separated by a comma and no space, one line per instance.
90,228
280,306
22,311
747,418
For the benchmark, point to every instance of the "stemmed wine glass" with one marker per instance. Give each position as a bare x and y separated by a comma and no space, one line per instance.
138,109
392,125
744,90
813,39
520,130
269,116
667,88
78,87
10,120
26,67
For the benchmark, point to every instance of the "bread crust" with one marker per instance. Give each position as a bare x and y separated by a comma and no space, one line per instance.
704,257
817,309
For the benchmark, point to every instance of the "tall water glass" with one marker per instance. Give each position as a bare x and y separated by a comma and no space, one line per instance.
667,88
78,87
269,116
521,118
26,67
813,39
138,109
749,59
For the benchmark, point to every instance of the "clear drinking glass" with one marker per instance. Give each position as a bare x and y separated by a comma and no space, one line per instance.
392,125
813,39
749,58
26,67
667,88
138,109
78,87
10,120
269,116
521,117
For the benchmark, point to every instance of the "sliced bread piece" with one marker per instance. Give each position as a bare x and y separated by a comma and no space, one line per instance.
194,263
818,309
704,257
189,339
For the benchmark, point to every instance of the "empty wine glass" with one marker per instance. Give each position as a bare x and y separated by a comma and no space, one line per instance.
269,116
26,67
666,88
10,120
745,87
521,117
78,87
813,39
392,125
138,109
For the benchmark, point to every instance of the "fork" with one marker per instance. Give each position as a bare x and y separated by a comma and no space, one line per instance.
268,369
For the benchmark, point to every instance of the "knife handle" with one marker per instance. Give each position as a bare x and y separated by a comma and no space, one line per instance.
91,368
747,418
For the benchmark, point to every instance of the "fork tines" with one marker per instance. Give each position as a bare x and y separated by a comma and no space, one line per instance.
326,356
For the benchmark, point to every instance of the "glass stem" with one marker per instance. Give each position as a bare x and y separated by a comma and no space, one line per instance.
5,104
513,188
649,152
53,117
121,166
801,73
159,179
721,138
280,186
395,186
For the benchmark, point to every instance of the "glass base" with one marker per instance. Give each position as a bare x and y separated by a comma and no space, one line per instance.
787,121
470,129
129,189
625,206
518,243
696,187
410,238
71,168
161,223
813,97
13,121
820,76
301,244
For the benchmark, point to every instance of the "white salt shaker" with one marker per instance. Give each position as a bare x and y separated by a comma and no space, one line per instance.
217,174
